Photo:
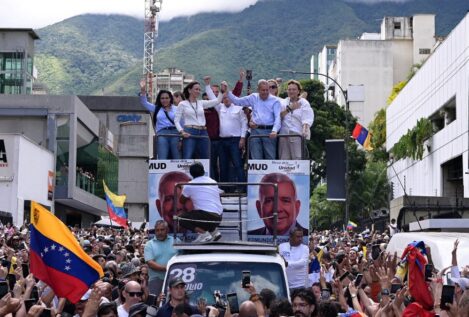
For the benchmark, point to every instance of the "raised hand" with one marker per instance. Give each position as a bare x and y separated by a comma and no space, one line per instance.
207,80
143,84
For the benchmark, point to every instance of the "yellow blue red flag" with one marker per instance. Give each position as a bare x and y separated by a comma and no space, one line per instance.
351,225
56,257
115,207
361,134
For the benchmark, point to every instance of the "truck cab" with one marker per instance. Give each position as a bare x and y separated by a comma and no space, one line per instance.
219,266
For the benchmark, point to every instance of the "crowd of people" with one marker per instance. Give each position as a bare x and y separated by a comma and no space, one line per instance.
340,273
218,126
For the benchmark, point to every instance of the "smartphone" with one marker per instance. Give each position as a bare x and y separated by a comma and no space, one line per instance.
246,279
28,303
15,266
358,279
395,288
3,288
151,300
25,268
344,276
34,293
45,313
375,251
232,299
447,296
428,272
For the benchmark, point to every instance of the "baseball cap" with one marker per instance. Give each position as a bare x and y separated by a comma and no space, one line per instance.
175,282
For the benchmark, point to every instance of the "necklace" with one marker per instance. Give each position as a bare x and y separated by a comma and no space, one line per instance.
195,109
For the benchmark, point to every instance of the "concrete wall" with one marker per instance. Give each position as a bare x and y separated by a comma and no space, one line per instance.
13,41
30,165
424,35
369,63
444,75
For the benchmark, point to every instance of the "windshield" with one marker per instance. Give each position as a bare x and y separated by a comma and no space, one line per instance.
203,279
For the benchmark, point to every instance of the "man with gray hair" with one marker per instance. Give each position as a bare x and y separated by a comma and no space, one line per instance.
265,120
157,253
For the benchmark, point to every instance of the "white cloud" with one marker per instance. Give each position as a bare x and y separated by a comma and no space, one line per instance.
37,14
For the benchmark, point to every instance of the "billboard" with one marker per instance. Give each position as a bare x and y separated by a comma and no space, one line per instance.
292,178
163,175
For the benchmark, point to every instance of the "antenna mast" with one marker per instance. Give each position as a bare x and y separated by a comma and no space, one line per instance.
152,8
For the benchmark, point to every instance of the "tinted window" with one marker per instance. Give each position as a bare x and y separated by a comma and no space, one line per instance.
204,278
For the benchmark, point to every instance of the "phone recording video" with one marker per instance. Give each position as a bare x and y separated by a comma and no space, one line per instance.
447,296
358,280
4,289
395,288
232,299
246,279
428,272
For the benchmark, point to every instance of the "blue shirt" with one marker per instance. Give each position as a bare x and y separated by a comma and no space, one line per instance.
161,119
160,252
264,112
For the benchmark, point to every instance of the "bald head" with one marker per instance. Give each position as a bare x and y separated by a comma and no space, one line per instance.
247,309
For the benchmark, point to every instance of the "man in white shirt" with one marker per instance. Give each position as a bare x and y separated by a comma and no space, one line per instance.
133,294
207,213
296,255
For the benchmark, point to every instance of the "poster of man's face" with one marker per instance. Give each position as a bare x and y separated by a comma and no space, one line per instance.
163,177
292,181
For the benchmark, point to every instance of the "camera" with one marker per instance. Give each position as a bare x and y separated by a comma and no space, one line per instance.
248,74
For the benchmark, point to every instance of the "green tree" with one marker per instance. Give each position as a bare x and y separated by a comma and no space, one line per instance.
377,128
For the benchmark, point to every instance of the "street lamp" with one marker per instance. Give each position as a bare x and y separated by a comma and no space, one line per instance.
347,108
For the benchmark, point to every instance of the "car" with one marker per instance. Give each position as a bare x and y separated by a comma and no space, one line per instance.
220,267
440,243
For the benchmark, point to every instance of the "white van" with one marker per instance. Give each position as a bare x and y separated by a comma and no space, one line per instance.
219,266
441,245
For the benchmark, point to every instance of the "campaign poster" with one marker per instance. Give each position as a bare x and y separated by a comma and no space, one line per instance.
163,175
292,179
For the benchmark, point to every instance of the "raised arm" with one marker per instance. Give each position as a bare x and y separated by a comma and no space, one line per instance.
143,98
178,116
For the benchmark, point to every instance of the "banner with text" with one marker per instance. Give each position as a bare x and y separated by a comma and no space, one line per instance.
292,179
163,175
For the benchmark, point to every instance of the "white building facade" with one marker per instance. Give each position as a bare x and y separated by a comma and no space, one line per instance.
378,61
439,91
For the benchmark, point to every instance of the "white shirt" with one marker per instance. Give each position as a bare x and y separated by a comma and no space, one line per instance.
121,312
233,121
297,258
193,112
293,121
206,198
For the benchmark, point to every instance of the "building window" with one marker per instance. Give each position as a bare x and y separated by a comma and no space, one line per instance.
425,51
445,115
397,25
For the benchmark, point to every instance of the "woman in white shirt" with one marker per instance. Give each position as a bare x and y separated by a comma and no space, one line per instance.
191,112
297,119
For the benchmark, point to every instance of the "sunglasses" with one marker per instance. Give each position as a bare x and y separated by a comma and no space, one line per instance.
135,294
272,87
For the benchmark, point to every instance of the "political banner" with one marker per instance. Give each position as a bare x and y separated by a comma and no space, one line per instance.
163,175
292,179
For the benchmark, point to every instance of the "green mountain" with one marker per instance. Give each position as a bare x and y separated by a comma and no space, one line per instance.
92,54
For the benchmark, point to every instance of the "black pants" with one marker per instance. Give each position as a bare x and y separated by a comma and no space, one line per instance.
197,218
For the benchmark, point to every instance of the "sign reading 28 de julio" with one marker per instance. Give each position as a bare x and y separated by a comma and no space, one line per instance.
292,179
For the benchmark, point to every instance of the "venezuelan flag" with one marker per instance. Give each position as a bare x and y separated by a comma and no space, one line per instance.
351,225
115,207
362,136
56,257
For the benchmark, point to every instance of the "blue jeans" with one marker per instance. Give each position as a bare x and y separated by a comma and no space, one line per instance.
166,146
192,145
231,154
262,148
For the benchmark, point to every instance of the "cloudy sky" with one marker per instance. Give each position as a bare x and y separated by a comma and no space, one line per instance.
40,13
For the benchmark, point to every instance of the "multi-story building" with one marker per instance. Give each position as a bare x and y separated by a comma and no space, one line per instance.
378,61
172,79
16,60
439,91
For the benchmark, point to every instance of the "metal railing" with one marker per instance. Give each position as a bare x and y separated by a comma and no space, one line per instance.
155,144
279,136
274,214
